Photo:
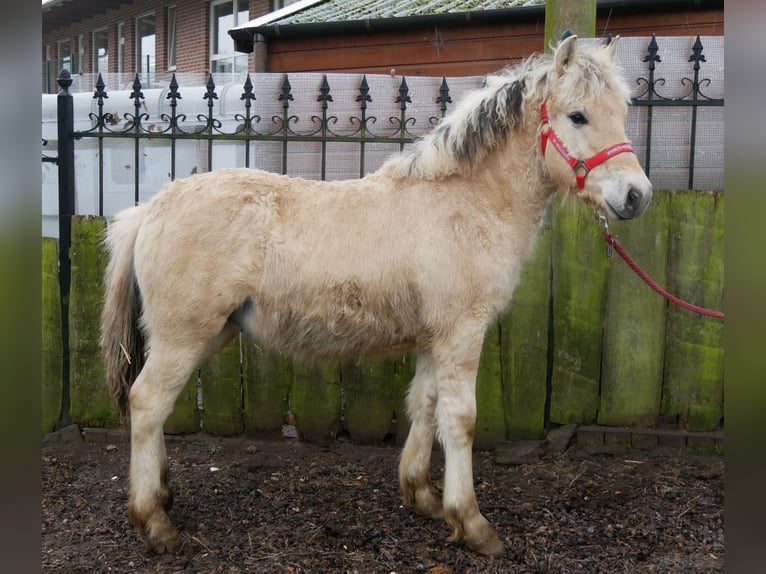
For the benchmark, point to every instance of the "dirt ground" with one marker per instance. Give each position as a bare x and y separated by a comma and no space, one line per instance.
291,507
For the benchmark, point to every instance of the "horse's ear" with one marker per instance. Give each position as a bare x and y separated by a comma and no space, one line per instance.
611,46
565,53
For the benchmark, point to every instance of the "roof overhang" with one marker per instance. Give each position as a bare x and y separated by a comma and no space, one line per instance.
268,27
59,14
244,36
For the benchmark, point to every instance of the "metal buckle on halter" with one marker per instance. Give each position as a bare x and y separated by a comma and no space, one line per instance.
603,223
581,176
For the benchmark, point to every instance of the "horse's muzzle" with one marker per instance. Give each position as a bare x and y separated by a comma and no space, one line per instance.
634,203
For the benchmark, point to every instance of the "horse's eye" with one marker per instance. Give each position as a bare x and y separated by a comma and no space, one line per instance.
578,119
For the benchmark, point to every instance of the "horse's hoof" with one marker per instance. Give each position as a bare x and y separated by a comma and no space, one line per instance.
161,536
491,547
428,502
163,544
476,534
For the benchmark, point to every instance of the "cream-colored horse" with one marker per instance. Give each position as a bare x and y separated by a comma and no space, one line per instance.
424,253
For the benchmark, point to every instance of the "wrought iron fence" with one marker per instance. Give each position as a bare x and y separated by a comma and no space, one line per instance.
694,99
278,124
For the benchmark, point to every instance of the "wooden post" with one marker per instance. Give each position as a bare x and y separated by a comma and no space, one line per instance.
316,400
51,338
693,373
369,389
524,343
91,404
222,392
634,325
185,417
490,414
267,378
580,267
404,371
579,16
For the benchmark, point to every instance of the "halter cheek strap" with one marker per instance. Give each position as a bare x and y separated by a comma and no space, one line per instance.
579,166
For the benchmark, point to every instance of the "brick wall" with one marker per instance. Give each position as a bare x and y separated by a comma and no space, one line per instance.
192,34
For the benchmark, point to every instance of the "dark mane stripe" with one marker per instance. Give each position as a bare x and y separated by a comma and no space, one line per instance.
472,130
490,124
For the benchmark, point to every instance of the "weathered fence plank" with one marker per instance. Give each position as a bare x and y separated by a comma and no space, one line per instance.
580,266
679,241
91,403
524,343
368,385
52,351
315,400
634,323
267,378
490,414
185,416
404,371
693,385
221,383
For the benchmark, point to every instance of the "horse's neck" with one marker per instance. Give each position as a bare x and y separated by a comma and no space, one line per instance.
515,178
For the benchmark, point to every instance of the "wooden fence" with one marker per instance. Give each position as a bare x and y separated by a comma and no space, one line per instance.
584,341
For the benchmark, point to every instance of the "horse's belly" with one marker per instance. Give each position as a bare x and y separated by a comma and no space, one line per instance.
324,330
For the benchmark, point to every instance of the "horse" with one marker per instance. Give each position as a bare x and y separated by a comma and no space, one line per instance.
423,254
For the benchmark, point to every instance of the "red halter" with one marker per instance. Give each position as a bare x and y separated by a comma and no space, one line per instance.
578,164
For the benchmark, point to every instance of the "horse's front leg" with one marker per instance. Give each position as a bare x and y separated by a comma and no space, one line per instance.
415,463
456,370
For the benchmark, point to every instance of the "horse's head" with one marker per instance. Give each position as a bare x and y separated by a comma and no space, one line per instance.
584,110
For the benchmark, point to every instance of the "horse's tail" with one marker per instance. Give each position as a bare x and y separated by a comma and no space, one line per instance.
122,340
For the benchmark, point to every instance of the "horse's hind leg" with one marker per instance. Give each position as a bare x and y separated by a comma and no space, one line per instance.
456,365
415,463
152,397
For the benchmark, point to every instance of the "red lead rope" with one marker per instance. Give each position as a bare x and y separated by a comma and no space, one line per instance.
612,240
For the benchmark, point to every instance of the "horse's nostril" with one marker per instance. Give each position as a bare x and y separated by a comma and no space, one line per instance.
634,199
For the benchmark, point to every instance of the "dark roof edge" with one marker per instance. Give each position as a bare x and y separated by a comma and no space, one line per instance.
244,38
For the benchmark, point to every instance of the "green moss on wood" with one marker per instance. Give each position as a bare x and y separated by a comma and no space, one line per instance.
579,284
52,355
404,372
634,323
267,377
185,416
524,343
91,404
222,392
693,385
315,400
368,385
490,411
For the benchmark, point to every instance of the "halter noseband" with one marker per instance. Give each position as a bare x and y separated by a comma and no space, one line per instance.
579,166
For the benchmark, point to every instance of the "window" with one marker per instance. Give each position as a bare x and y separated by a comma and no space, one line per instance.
224,15
282,3
80,53
145,46
65,55
121,48
100,51
49,70
171,37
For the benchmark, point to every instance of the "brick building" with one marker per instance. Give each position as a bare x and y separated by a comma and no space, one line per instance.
154,38
192,38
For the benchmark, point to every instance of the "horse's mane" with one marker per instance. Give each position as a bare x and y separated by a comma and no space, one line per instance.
486,116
